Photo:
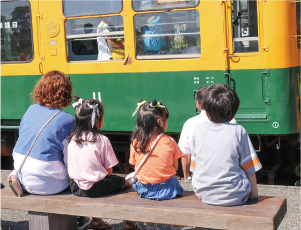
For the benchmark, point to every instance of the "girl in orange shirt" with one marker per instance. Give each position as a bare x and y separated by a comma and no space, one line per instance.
156,179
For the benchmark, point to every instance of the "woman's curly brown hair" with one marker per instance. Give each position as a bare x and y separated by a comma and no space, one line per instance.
53,90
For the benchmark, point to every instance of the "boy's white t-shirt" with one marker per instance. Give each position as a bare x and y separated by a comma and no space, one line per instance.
87,163
224,155
186,142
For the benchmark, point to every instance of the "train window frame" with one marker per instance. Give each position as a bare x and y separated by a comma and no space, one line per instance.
94,36
180,35
31,36
89,14
165,8
244,38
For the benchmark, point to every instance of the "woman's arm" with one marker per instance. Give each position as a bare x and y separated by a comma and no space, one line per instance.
116,44
254,190
110,171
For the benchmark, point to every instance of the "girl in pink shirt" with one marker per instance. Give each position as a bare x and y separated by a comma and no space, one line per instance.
90,158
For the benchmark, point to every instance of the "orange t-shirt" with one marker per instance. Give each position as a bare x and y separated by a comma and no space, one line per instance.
158,166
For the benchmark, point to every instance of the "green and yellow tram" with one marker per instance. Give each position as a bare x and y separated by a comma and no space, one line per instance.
170,49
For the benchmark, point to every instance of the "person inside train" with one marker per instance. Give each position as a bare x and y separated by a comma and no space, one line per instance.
185,141
156,178
105,44
190,41
86,46
91,158
225,162
157,39
44,171
118,47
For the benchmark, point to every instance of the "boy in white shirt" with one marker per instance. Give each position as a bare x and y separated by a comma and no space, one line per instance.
225,160
185,142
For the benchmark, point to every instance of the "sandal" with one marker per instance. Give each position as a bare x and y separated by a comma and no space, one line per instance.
133,226
104,225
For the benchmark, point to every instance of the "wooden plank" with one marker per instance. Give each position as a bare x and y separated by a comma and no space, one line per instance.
187,210
48,221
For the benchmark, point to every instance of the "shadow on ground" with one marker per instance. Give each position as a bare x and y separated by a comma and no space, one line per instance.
10,225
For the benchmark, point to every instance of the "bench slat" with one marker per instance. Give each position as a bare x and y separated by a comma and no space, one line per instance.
187,210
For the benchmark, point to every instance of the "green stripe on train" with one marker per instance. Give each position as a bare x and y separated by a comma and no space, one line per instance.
269,98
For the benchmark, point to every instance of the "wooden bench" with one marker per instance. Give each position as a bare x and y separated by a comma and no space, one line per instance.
59,211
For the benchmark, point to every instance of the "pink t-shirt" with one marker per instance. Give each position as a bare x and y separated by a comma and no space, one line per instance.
87,163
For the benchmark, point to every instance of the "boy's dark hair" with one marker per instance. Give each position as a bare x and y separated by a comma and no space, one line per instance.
83,122
220,102
147,126
199,94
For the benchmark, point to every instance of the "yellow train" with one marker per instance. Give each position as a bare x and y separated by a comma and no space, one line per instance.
123,50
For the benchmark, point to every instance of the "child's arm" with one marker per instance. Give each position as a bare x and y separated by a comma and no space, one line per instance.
110,171
185,159
254,190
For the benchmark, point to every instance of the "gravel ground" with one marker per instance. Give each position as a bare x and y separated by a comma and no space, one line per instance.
17,220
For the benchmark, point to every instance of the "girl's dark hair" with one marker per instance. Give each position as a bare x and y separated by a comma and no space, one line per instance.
147,125
83,122
220,102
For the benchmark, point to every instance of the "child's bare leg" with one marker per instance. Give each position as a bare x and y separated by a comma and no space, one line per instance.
127,184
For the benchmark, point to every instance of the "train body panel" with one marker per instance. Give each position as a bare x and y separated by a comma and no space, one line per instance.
269,105
250,45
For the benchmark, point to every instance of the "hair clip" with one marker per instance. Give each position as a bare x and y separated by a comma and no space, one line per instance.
139,104
159,105
79,102
95,109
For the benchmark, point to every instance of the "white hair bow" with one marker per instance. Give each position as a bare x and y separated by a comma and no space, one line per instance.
95,110
79,102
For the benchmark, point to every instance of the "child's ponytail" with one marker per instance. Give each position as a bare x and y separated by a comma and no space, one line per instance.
88,113
147,125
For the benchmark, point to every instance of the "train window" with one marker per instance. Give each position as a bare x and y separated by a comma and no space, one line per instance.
16,34
99,39
298,7
145,5
168,35
244,24
73,8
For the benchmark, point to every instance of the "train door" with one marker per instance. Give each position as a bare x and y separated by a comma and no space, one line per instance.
51,30
248,81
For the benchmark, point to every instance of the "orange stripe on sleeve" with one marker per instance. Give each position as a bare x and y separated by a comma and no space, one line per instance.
250,164
192,163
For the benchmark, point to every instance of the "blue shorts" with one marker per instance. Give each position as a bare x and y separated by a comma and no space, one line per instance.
162,191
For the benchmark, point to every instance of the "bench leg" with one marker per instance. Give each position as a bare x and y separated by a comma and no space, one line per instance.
49,221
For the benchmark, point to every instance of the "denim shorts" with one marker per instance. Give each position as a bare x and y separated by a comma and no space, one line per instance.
162,191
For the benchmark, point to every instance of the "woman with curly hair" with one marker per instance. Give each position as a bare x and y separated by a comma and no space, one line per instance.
44,171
